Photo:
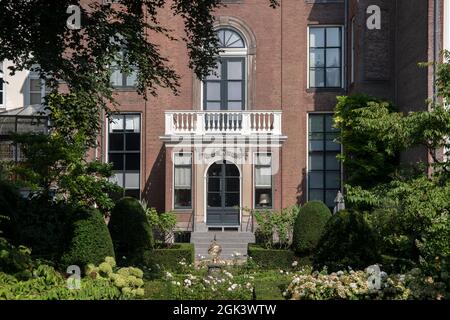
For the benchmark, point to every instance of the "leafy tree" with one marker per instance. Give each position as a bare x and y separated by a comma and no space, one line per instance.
368,157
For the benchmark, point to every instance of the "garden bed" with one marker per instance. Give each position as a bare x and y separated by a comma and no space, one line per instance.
169,258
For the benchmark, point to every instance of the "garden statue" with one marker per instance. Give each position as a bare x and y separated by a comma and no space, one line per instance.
339,203
215,250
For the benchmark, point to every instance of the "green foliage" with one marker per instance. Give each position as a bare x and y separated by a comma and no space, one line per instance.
48,284
163,224
309,226
90,242
348,241
128,279
11,204
274,228
15,261
365,123
130,230
55,164
271,258
173,259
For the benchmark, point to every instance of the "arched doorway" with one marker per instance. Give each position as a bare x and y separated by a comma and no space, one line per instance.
223,196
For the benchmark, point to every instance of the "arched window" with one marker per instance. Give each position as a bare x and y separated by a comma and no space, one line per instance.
225,87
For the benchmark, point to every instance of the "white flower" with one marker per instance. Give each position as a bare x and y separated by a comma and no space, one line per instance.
383,274
281,271
295,263
168,275
340,273
187,282
124,258
353,285
296,280
233,287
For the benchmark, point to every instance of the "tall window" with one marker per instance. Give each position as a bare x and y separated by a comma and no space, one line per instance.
36,87
182,181
324,169
263,180
352,78
2,88
224,88
124,152
325,57
120,78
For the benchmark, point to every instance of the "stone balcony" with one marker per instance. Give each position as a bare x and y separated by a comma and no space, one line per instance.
238,123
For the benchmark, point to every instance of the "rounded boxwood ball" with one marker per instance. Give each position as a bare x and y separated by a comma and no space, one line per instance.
309,226
130,230
90,241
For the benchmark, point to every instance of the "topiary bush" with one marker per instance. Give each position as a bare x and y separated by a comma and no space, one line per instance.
173,258
90,241
309,226
269,259
348,241
130,230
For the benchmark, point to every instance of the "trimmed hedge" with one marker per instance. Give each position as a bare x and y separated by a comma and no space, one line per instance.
309,226
130,230
271,258
348,241
90,242
169,258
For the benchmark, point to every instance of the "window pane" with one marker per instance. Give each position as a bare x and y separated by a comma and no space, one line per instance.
214,200
182,177
316,162
116,78
333,77
329,122
213,91
183,198
35,98
263,176
263,198
332,162
333,37
212,106
132,141
330,195
316,180
317,78
316,195
133,123
134,193
116,160
214,184
232,184
231,170
132,79
116,142
131,180
317,58
35,85
234,105
333,180
235,90
116,124
215,170
316,145
216,73
132,161
317,37
232,200
333,58
332,146
234,70
117,178
316,123
183,159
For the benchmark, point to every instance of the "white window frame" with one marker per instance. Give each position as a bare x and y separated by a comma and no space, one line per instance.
173,181
34,76
353,48
343,52
233,53
255,157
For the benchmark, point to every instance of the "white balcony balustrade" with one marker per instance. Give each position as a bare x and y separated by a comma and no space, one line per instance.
223,122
